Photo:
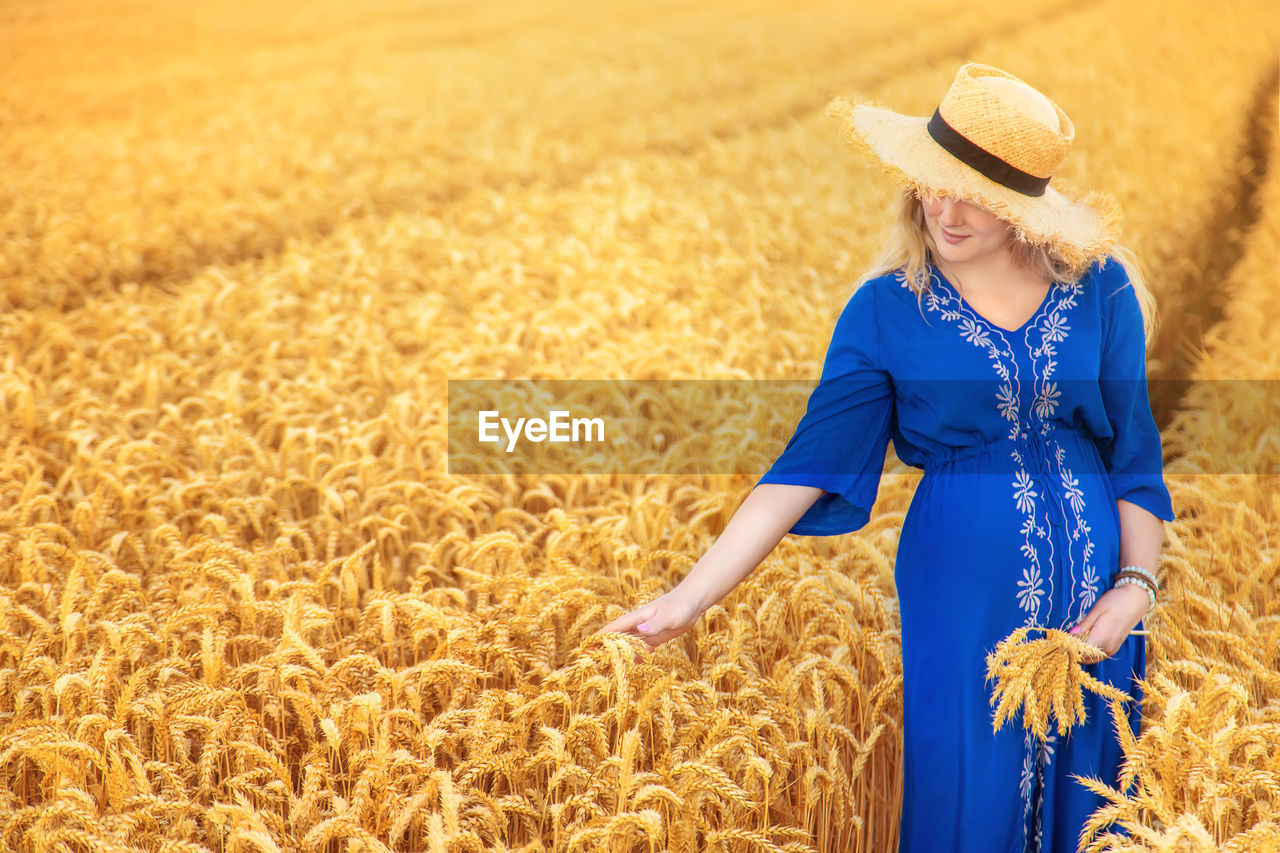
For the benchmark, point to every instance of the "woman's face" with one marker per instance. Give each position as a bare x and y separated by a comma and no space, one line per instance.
963,231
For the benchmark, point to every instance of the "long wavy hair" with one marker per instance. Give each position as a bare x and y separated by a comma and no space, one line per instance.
909,247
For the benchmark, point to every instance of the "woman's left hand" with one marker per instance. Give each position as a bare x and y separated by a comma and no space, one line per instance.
1112,617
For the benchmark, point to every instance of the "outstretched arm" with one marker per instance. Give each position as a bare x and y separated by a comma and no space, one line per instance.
823,483
755,529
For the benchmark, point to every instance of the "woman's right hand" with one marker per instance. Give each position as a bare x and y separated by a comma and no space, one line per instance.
769,511
662,619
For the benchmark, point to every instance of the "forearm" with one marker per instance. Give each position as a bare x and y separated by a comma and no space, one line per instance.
1141,535
755,529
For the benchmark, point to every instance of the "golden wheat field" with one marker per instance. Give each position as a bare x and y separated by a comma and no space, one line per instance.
244,247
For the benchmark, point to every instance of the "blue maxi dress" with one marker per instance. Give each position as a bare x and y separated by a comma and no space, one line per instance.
1027,438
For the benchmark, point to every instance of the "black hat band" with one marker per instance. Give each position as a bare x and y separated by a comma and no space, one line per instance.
986,163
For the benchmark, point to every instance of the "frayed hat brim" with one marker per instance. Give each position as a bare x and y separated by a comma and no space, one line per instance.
1081,231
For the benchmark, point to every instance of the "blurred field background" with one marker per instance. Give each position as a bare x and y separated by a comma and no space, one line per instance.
243,247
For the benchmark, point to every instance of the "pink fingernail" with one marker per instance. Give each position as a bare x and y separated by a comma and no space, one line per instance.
1075,630
644,626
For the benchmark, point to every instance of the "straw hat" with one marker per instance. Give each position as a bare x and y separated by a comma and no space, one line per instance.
996,142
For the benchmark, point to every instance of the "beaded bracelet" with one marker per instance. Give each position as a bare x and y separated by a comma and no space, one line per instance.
1137,573
1134,576
1151,595
1155,584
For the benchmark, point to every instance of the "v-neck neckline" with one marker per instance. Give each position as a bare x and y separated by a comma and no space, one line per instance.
1043,302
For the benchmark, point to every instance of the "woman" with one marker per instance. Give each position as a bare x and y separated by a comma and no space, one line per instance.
1000,342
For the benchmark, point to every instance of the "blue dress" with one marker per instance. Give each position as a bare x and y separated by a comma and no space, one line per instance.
1026,437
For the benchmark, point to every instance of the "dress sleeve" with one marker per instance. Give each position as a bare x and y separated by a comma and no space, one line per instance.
1132,454
839,444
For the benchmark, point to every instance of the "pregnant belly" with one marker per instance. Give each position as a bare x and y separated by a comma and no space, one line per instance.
999,544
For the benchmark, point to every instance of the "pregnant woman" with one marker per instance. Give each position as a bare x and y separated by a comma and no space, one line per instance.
999,341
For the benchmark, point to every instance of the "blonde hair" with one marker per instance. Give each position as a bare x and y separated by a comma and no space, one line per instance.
908,246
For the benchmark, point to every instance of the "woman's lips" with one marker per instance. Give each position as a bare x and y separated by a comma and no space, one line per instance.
951,238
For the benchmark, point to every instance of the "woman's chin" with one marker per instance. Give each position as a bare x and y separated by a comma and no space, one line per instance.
953,254
960,253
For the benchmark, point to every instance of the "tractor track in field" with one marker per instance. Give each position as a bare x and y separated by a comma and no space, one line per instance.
961,51
567,175
1192,306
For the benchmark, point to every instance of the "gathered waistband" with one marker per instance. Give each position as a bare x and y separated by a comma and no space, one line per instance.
1034,447
932,460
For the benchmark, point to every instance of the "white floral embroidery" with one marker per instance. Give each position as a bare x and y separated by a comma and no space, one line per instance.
1036,758
1007,402
1047,746
1082,574
973,334
1071,490
1030,588
1055,327
1028,773
1089,587
1037,453
1031,788
1023,494
1047,400
1031,591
